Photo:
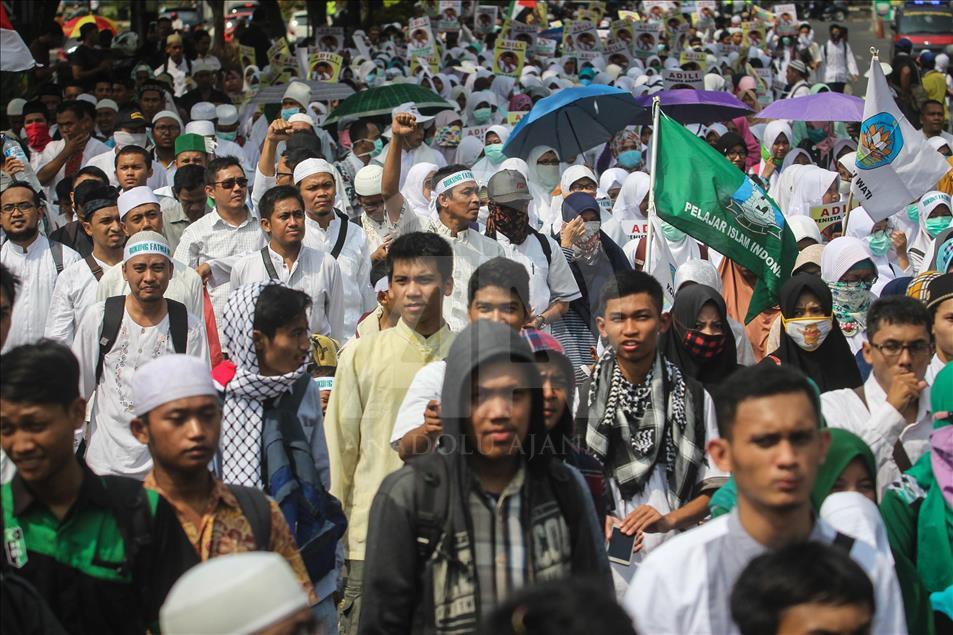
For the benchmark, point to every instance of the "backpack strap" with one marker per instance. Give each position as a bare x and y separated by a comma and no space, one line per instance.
94,267
257,511
843,542
56,251
703,251
431,502
178,325
133,515
342,235
113,312
545,246
269,265
638,262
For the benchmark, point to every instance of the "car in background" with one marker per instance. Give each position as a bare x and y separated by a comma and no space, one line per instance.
238,14
298,28
183,18
926,23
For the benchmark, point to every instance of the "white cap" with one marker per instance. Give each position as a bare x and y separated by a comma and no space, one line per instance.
133,198
202,66
300,116
804,227
202,110
231,595
87,98
382,285
299,92
367,181
201,127
227,114
146,242
15,107
840,255
410,108
167,114
106,104
168,378
312,166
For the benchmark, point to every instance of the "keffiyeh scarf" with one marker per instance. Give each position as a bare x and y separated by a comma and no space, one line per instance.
634,427
246,393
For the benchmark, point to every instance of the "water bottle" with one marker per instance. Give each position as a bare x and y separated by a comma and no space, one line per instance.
12,149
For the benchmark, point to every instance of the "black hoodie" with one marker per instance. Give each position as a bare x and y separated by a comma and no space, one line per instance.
410,588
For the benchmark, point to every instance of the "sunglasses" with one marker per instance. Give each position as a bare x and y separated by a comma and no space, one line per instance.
229,184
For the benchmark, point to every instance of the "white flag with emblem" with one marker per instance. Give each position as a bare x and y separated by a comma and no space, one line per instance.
895,165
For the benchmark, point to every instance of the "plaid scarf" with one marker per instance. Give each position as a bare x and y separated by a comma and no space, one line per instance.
634,427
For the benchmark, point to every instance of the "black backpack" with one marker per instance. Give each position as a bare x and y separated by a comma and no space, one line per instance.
112,321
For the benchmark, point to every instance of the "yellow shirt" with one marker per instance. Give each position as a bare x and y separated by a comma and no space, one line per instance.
373,374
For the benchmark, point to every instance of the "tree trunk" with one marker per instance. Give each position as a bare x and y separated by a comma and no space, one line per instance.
274,23
218,21
32,19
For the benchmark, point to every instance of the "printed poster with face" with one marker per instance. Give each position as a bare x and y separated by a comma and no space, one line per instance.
508,57
485,19
324,66
527,33
418,62
704,16
449,19
247,55
656,10
617,52
786,19
646,38
752,34
692,57
420,37
546,47
279,53
582,37
329,39
622,32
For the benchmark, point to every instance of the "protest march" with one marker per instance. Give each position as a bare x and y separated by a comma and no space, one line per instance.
476,316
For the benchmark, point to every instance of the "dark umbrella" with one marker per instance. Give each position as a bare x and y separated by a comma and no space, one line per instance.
686,105
383,100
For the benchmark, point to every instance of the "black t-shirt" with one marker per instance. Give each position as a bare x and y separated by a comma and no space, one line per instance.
87,59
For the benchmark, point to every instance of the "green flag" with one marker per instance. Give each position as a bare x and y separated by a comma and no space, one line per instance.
700,192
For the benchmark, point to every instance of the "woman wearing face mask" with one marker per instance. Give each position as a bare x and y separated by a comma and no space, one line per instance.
850,274
417,187
933,217
481,108
811,338
682,246
699,340
822,139
777,141
576,178
625,150
493,156
887,245
542,178
804,187
447,137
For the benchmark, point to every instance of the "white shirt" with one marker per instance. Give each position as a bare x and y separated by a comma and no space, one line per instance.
185,286
93,148
421,154
685,585
548,281
110,447
36,272
179,73
839,62
799,89
315,272
427,385
880,425
936,365
376,231
470,250
75,291
212,240
355,263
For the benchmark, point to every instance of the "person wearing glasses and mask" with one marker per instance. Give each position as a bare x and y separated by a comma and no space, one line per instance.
214,243
891,411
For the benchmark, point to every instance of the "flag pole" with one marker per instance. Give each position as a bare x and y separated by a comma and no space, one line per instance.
656,109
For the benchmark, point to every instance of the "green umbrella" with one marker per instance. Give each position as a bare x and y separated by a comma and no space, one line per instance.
383,99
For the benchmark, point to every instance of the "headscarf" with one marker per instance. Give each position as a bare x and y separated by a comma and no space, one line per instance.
476,98
520,102
245,394
943,252
845,447
804,227
811,254
850,307
923,242
469,151
832,364
839,145
541,205
413,189
688,303
812,182
516,163
634,190
859,226
697,271
751,142
622,138
612,178
569,176
772,131
737,293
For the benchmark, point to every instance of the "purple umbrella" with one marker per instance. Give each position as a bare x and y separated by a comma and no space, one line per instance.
828,106
687,105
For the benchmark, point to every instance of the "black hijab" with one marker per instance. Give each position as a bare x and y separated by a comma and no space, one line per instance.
688,303
832,365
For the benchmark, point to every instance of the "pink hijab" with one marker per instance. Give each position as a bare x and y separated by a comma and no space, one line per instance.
754,148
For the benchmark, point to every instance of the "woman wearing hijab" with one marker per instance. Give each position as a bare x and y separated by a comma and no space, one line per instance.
493,140
699,340
777,140
811,339
575,178
738,287
628,211
887,245
942,259
849,272
733,147
417,187
934,217
449,126
482,108
543,169
469,150
743,130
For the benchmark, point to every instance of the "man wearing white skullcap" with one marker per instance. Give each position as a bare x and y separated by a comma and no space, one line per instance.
15,115
117,336
226,125
329,229
410,145
380,225
313,271
139,210
237,594
220,146
166,128
178,417
106,111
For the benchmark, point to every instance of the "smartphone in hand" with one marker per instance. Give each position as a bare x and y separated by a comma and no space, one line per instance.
620,547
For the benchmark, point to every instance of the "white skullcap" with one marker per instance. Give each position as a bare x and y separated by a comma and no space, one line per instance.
312,166
303,117
203,128
87,98
202,66
367,181
106,104
840,255
168,378
15,107
299,92
234,594
167,114
146,242
804,227
382,285
937,142
227,114
202,110
132,198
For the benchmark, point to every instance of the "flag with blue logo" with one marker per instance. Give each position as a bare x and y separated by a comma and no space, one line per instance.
895,165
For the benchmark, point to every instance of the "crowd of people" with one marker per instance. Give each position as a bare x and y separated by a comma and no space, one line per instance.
283,371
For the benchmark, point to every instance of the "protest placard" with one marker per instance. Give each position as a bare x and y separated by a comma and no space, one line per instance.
329,39
485,20
420,36
448,20
524,33
786,19
508,57
677,78
828,215
324,66
646,38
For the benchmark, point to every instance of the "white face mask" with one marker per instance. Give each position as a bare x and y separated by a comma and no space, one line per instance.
843,187
808,333
548,175
123,139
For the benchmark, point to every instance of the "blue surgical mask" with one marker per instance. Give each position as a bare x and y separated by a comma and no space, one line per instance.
672,233
287,112
879,243
494,152
913,212
936,225
630,159
482,115
585,81
227,136
816,135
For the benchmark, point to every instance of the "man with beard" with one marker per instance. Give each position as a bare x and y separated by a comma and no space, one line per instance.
119,335
32,258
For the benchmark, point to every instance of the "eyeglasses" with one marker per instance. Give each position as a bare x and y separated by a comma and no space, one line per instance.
229,184
578,187
287,174
25,206
891,348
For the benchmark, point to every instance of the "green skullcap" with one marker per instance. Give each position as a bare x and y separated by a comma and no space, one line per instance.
190,141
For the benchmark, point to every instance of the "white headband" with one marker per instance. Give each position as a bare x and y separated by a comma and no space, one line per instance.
147,246
453,180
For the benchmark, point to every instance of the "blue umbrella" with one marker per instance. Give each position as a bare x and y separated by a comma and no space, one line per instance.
573,121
